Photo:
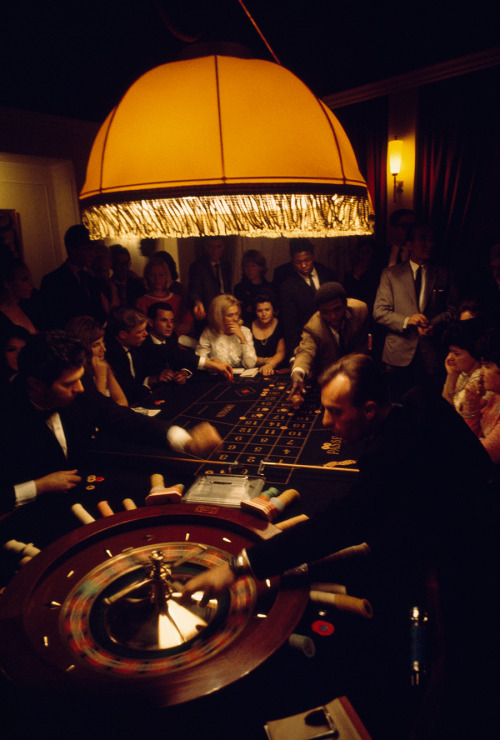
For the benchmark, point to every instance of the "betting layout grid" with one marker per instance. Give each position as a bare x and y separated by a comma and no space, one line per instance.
257,423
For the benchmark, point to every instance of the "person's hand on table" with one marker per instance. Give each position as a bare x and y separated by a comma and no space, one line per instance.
204,439
211,582
296,394
166,376
180,377
61,480
266,369
224,368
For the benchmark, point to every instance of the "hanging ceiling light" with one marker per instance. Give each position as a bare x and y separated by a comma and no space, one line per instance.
219,146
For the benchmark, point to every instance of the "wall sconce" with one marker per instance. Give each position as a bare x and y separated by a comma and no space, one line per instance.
395,153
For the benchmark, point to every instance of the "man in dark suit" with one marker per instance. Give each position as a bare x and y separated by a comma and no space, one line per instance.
125,332
129,286
164,359
209,276
297,293
71,290
420,497
415,302
52,413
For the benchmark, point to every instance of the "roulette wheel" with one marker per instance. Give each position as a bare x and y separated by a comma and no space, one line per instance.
100,609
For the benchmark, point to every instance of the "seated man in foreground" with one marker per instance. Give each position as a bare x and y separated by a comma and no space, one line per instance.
419,500
52,413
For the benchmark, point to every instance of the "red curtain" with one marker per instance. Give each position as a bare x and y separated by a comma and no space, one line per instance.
366,126
457,158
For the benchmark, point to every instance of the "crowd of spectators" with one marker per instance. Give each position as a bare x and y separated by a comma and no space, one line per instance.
141,330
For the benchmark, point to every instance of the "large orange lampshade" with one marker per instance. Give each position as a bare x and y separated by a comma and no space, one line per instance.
220,145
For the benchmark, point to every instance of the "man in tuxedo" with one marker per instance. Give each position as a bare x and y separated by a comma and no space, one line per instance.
164,359
339,327
52,414
297,292
415,302
209,276
125,332
71,289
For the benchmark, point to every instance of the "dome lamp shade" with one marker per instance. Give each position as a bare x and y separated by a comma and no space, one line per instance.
219,146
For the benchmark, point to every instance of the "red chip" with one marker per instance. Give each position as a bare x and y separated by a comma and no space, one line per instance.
99,478
325,629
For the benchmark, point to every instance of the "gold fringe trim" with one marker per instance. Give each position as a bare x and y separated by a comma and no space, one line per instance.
226,215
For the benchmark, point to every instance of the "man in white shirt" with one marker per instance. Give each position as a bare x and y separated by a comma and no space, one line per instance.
52,413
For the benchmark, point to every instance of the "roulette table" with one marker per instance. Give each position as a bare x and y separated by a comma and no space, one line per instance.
81,624
83,615
262,433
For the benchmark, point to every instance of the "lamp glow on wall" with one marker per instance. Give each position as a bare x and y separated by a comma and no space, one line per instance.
395,154
217,146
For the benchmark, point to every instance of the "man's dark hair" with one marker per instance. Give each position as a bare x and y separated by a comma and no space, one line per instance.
367,381
488,346
330,292
160,306
76,236
48,355
116,250
300,245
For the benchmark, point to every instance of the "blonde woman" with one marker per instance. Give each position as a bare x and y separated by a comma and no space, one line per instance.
225,337
161,285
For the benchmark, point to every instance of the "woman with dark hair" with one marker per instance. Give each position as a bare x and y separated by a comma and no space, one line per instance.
253,281
481,408
462,365
267,335
91,335
161,284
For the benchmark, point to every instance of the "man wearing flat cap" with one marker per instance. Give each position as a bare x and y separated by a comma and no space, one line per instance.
339,326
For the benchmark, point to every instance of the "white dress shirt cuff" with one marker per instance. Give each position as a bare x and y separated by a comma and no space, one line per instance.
201,363
177,437
25,492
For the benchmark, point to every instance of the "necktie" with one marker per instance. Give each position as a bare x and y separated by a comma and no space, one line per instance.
311,283
418,284
218,276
